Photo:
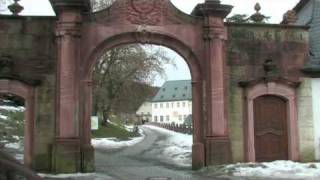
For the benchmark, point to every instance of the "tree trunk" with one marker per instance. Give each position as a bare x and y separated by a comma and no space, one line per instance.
105,117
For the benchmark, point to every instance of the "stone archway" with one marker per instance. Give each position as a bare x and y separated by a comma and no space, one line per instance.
82,37
157,39
27,93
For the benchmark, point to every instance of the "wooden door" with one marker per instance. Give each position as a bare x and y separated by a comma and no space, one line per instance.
270,128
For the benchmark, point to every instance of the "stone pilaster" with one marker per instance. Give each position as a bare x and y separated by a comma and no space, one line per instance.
66,150
214,34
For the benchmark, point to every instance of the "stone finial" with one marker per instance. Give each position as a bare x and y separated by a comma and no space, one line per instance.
257,17
15,8
290,17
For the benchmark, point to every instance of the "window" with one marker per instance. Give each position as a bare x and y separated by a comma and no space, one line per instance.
162,97
168,118
161,118
186,87
161,105
183,104
175,88
164,89
173,95
183,95
167,105
155,118
172,105
180,117
178,104
155,105
184,117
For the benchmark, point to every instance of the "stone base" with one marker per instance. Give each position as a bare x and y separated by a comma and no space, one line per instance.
87,159
66,156
218,151
197,156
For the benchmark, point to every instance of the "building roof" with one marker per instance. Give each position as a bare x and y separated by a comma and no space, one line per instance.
300,5
174,91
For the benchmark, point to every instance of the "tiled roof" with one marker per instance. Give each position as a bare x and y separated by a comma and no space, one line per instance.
300,5
174,91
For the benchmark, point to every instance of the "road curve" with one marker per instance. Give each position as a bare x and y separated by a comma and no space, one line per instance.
142,161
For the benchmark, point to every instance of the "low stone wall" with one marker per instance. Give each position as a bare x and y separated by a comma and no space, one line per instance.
182,128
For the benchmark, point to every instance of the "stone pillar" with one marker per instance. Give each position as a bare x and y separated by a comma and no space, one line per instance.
217,145
66,150
198,155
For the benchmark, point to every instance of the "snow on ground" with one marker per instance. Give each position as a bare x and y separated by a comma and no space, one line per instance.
276,169
13,145
3,117
77,176
113,143
12,108
177,148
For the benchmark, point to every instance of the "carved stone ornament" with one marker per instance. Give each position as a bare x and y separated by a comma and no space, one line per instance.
6,65
147,12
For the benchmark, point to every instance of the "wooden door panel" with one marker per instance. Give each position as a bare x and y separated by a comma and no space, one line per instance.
270,123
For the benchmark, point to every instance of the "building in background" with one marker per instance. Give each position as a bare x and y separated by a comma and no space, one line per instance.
308,13
173,102
144,113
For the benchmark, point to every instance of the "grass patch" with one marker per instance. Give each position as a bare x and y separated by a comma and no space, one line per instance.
113,131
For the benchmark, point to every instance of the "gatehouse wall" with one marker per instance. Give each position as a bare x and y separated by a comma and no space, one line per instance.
29,43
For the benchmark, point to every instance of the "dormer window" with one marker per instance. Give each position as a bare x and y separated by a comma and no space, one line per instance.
175,88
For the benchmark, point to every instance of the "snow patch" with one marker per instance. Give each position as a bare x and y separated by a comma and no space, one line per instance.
87,176
13,145
13,108
277,169
3,117
114,143
177,147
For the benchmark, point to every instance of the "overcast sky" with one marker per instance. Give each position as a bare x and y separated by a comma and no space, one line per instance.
273,8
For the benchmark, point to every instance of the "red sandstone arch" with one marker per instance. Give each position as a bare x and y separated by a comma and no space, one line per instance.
27,93
82,37
158,39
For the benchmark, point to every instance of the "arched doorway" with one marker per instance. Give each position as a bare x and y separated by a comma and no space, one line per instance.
270,128
271,120
156,39
27,93
200,39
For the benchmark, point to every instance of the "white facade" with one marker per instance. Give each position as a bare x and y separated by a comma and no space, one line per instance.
145,111
171,111
316,114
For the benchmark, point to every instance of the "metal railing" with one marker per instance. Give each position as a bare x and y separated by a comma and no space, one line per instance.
182,128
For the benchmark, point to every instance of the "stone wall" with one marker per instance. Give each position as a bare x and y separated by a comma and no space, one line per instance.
247,49
29,43
305,121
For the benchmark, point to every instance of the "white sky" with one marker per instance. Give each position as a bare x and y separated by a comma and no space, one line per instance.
273,8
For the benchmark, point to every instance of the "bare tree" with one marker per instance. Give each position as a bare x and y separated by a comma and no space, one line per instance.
121,72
